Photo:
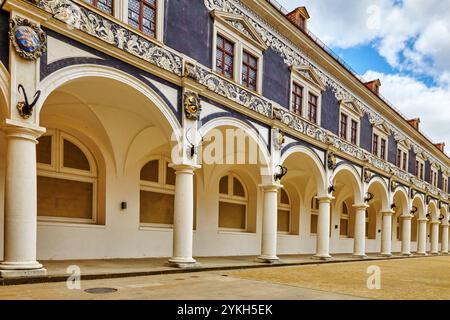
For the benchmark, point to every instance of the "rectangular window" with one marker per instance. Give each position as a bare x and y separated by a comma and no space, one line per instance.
283,221
225,57
375,144
383,149
142,15
344,121
314,221
404,161
312,113
417,169
297,99
249,71
232,216
422,172
156,208
354,132
399,158
104,5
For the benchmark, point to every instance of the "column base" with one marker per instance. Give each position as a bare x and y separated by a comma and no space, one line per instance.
28,265
268,259
359,256
445,253
7,274
422,254
323,257
435,254
385,255
182,263
407,254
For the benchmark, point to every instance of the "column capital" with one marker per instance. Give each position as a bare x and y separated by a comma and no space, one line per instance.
445,225
184,168
270,187
435,222
325,199
388,213
422,220
361,206
407,216
21,130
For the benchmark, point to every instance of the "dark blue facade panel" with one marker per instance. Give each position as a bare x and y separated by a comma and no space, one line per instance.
366,133
392,150
276,78
330,111
412,162
4,39
189,29
428,171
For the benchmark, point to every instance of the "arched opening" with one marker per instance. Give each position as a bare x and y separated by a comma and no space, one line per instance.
379,203
400,208
418,213
233,203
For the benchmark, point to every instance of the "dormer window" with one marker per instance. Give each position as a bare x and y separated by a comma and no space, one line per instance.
238,50
299,16
306,92
349,124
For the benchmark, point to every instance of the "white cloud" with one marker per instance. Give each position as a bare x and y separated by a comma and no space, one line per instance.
414,99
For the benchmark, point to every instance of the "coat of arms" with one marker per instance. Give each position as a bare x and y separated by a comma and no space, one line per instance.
27,38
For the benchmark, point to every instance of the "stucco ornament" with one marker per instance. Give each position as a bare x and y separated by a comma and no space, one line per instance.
27,38
278,139
331,161
192,105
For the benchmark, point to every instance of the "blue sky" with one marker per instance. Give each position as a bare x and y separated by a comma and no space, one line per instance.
404,43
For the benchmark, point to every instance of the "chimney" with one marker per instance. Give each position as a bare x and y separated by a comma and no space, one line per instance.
440,146
415,123
374,86
299,17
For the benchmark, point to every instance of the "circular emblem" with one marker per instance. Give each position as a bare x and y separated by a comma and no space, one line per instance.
27,39
192,105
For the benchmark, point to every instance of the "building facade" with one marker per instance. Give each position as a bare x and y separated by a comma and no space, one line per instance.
182,128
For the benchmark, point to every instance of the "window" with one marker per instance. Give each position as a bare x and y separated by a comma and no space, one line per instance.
434,177
104,5
344,223
233,204
225,57
237,51
343,129
314,215
420,168
375,144
402,158
383,149
354,132
297,99
284,212
445,184
66,179
157,193
249,71
142,15
312,108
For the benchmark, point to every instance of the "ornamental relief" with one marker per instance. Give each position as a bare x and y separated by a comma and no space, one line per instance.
83,19
294,57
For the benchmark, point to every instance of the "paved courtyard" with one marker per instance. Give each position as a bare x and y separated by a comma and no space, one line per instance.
422,278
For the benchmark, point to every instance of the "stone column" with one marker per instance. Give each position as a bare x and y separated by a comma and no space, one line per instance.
406,234
444,248
323,229
435,237
183,221
359,244
386,236
21,203
422,240
269,225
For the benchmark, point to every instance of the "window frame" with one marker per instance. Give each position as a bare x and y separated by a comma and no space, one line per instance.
231,198
420,170
314,211
156,187
402,162
247,65
344,217
95,3
241,44
434,176
444,183
159,19
286,208
354,114
381,136
56,170
308,89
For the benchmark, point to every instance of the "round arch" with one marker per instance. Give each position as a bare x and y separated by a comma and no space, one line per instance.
379,188
400,197
72,73
308,156
433,210
349,174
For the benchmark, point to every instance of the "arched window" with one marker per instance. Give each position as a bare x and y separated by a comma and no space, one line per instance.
66,179
345,221
233,203
157,194
314,214
284,212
